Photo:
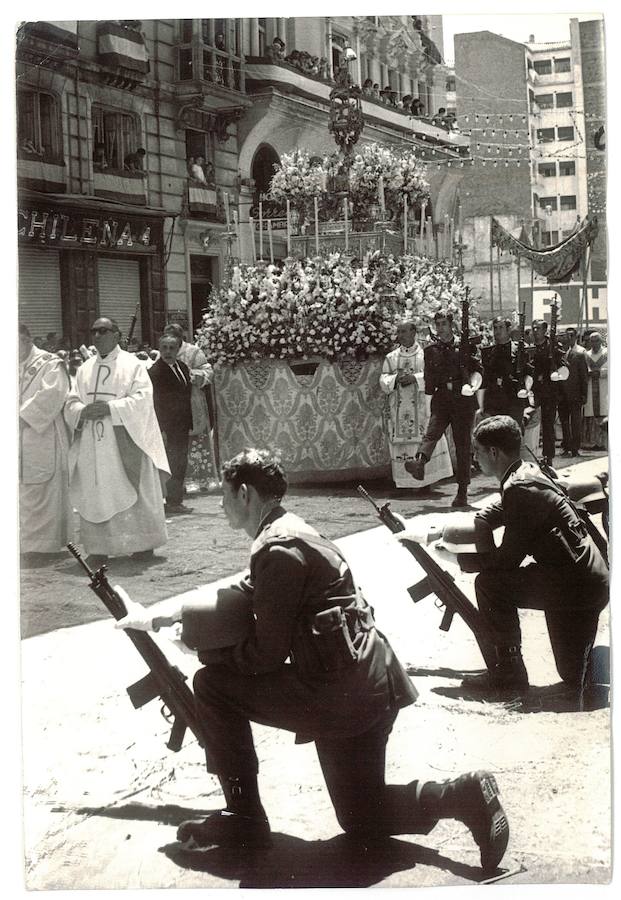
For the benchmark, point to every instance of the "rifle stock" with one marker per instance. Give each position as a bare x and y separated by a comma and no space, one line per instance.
163,679
440,583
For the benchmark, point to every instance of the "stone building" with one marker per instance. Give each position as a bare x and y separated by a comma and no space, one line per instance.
143,144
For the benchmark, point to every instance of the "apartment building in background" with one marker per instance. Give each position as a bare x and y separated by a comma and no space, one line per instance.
536,115
141,144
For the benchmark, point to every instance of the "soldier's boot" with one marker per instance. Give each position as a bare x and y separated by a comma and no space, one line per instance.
416,466
461,497
507,673
473,800
243,823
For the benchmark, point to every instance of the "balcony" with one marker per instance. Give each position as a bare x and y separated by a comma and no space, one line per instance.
204,201
122,54
263,73
41,175
124,187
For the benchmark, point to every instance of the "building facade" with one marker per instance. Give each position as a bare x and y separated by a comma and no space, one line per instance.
532,111
143,147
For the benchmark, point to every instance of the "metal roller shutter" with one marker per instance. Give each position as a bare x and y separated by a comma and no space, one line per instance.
39,295
119,292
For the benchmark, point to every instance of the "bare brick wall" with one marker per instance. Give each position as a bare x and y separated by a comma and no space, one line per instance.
592,57
491,82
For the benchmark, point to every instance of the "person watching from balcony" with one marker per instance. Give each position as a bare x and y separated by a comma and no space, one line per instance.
197,171
134,162
417,107
439,120
367,87
276,51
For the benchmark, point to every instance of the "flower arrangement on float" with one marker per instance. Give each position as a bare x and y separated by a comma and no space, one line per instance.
381,182
325,308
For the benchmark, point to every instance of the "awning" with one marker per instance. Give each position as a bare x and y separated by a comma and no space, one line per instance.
555,263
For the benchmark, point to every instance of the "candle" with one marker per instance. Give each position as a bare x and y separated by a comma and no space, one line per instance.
269,237
226,211
345,204
324,182
236,223
405,223
288,228
382,199
316,225
422,217
260,230
252,246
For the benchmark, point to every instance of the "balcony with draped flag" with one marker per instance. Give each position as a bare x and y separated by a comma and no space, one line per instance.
122,51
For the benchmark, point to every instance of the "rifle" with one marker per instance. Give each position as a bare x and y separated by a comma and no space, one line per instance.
560,372
163,680
132,325
469,378
524,381
440,583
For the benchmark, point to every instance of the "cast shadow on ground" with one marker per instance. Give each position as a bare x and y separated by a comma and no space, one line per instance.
334,863
292,862
557,698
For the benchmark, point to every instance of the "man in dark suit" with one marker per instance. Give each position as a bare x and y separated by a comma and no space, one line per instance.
573,394
172,389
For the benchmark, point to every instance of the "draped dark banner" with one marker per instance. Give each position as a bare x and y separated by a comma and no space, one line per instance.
555,263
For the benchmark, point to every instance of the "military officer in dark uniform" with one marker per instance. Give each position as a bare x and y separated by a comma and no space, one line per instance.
504,391
548,370
314,663
568,579
453,402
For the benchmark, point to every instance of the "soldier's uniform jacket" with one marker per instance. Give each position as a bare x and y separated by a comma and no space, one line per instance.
540,522
310,620
442,367
499,381
542,366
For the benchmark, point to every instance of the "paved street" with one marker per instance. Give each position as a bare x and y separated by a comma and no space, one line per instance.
103,795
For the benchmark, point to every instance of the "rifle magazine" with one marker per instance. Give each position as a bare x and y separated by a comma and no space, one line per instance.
143,691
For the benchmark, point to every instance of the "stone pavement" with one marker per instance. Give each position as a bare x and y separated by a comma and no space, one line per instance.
103,795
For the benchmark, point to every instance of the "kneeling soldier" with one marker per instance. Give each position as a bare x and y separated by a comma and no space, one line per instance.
314,663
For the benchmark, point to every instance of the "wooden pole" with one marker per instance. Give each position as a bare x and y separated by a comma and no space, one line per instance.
260,230
499,278
271,242
491,266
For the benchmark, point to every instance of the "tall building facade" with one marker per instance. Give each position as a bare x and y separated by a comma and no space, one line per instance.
143,147
532,111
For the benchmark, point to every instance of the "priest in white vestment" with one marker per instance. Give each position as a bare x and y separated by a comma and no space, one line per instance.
45,515
117,457
408,413
596,408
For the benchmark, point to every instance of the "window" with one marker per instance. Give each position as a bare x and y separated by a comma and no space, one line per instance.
544,101
216,56
548,170
568,202
549,238
562,65
339,42
564,99
38,131
262,26
544,202
450,83
543,66
200,155
595,314
595,293
115,135
544,135
567,168
566,133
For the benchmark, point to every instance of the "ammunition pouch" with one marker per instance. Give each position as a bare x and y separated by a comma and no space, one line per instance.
326,641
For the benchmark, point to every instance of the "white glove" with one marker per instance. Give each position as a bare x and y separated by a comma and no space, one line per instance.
137,616
467,391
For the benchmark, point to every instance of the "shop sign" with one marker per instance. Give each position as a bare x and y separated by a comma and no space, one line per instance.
66,229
